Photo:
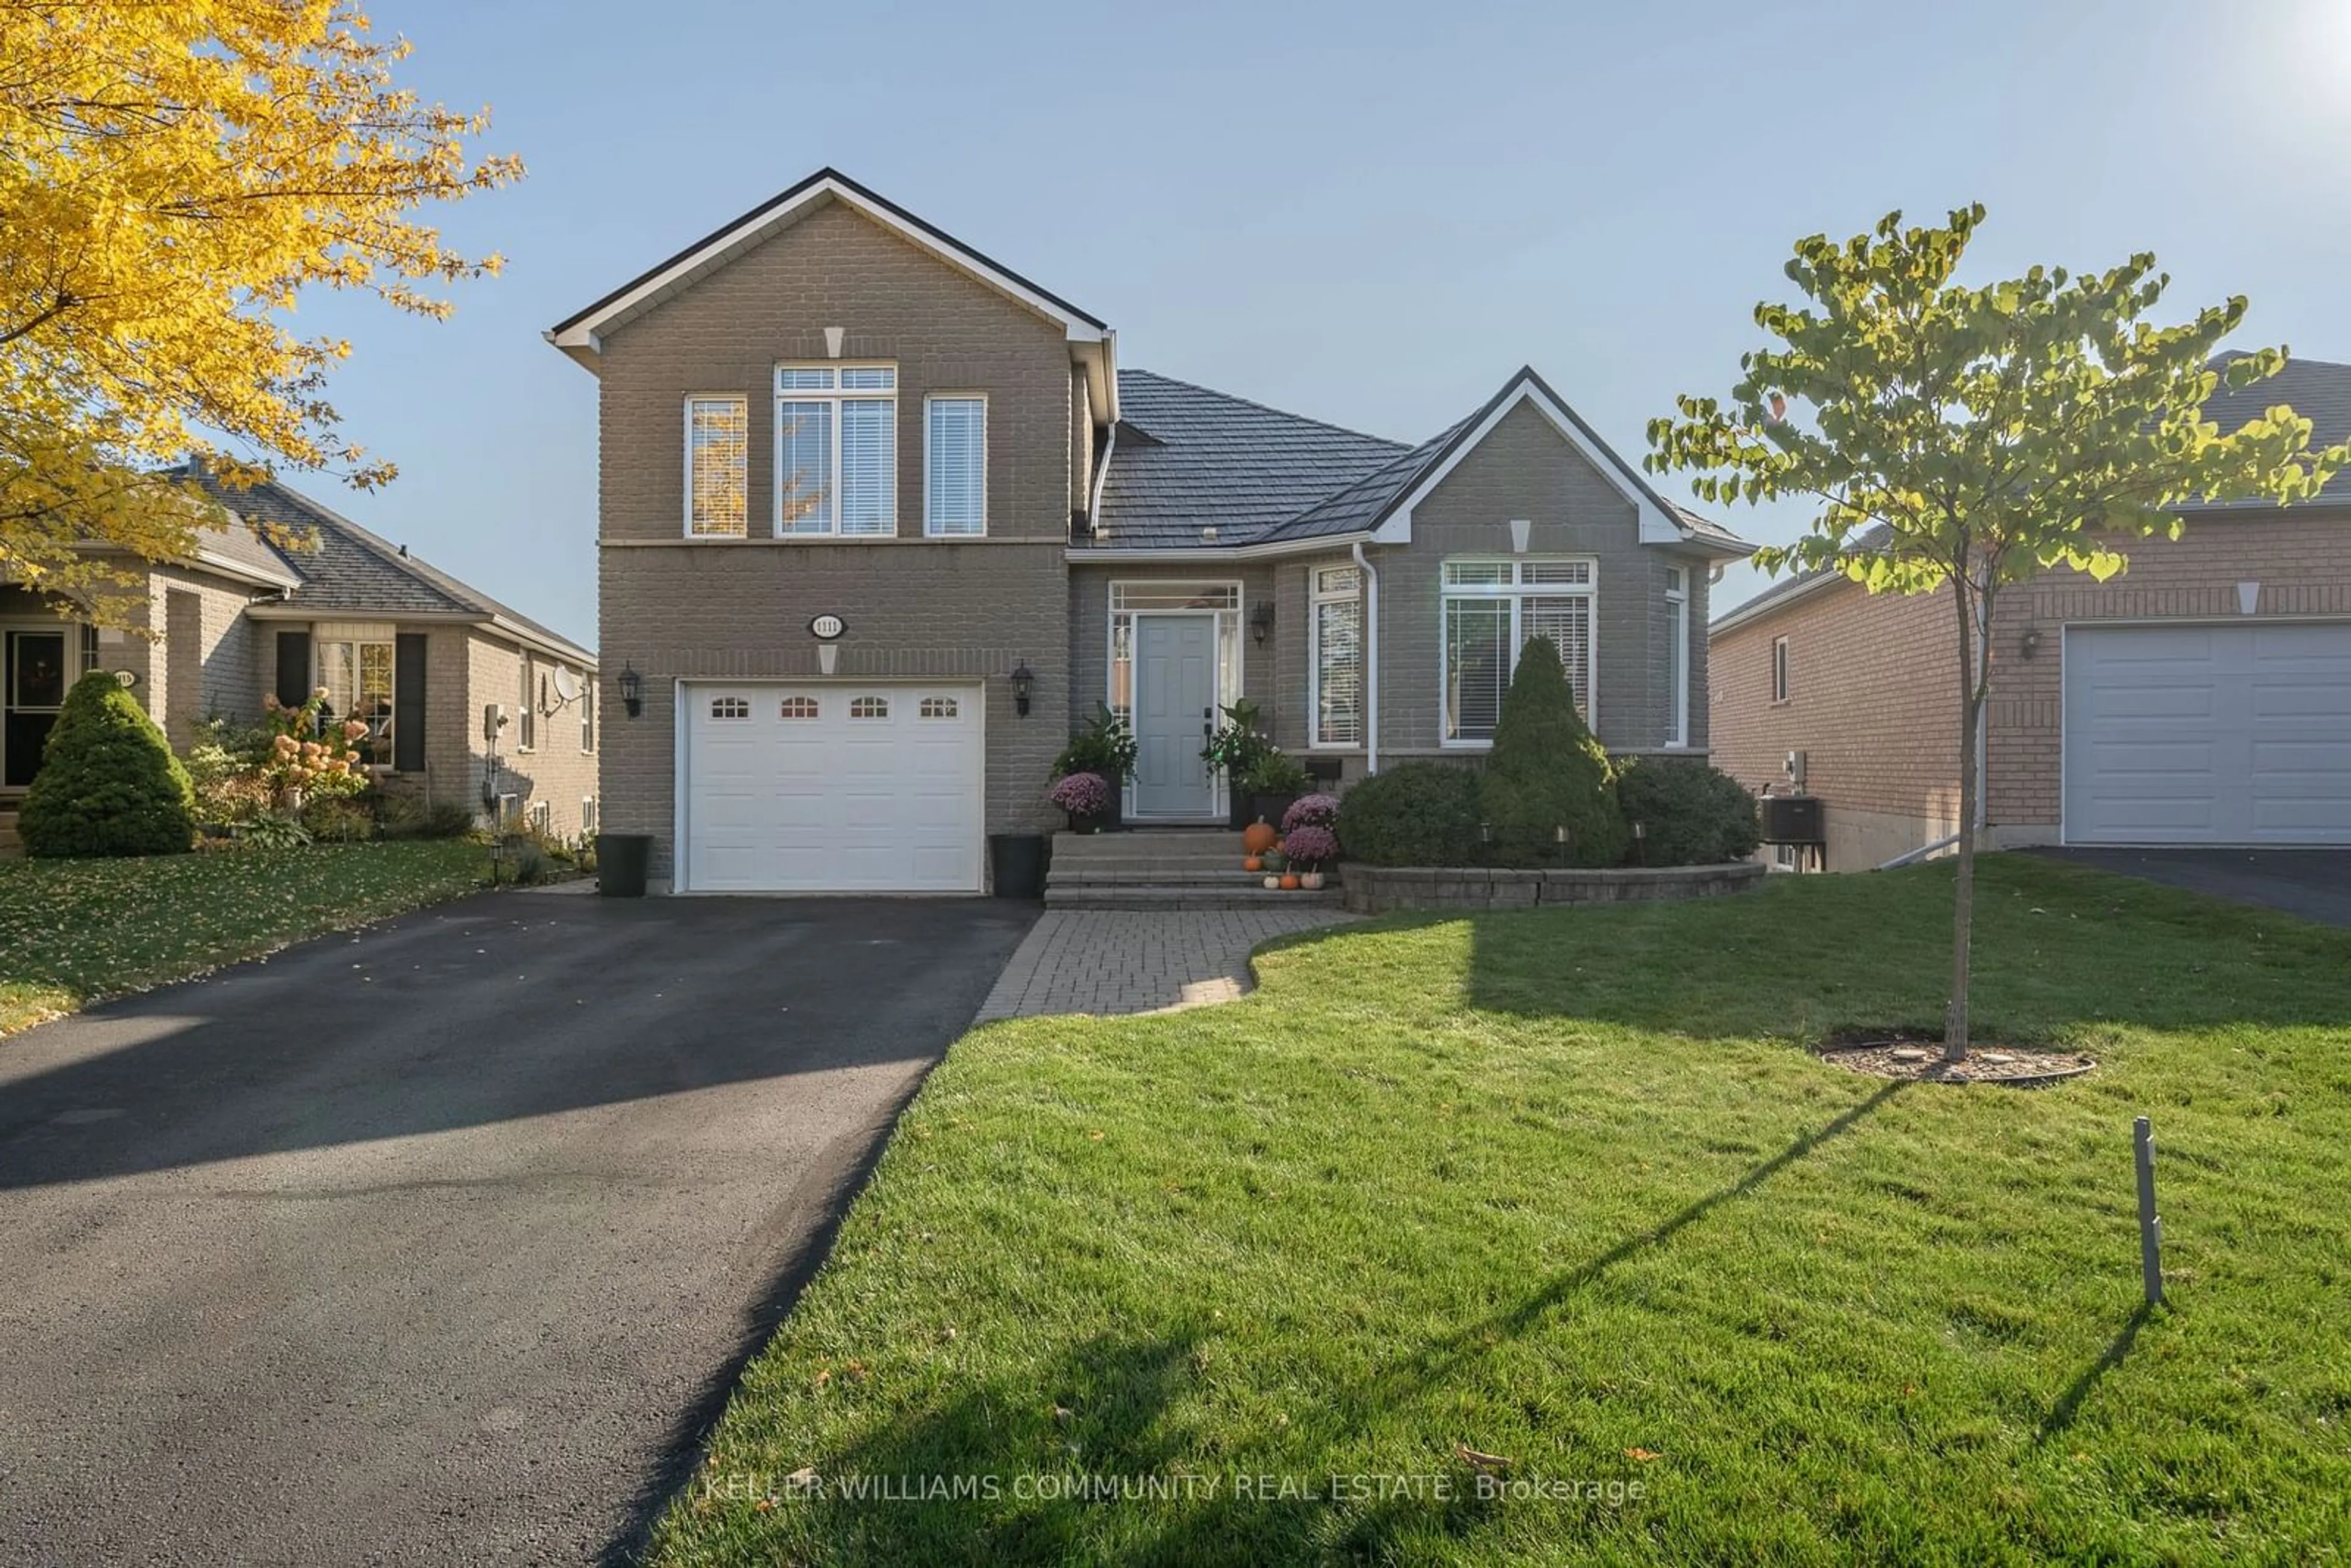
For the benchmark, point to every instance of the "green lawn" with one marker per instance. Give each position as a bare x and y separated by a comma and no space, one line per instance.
1567,1187
74,931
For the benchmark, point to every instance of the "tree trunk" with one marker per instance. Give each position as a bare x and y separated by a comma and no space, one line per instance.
1975,682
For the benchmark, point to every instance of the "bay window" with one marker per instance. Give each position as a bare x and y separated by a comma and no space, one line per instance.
837,450
1490,610
1336,659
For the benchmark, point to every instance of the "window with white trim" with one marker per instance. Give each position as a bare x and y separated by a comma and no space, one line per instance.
588,813
357,676
799,707
542,815
1490,610
729,707
717,471
868,707
939,708
1779,669
837,450
527,710
587,714
1677,654
1337,656
955,466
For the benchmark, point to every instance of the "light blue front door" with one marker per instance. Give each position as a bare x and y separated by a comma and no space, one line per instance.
1175,708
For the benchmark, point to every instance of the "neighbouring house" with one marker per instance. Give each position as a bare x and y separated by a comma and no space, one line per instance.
2201,698
305,599
864,631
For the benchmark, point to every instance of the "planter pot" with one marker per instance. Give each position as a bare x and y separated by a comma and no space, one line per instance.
1270,808
1018,864
1114,819
1084,824
1238,814
1311,880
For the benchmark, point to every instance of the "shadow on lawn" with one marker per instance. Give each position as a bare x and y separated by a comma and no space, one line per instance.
2069,1404
1047,1471
2057,947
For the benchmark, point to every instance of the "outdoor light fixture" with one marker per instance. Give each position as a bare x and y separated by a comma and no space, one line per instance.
632,690
1262,620
1023,679
2031,641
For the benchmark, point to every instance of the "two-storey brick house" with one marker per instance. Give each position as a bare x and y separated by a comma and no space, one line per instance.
882,519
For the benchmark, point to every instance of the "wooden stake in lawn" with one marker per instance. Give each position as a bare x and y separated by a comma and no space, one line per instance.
2150,1228
1968,438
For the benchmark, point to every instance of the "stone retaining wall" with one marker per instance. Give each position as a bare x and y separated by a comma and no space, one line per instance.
1373,890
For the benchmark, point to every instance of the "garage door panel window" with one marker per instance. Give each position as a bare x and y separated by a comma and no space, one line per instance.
939,708
837,450
800,708
1492,609
870,708
729,707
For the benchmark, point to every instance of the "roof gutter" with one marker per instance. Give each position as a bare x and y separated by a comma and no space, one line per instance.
1321,544
295,610
1766,602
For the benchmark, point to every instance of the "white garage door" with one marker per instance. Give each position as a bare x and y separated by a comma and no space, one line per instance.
831,789
2208,734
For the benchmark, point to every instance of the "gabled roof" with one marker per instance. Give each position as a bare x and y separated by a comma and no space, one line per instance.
338,567
579,334
1263,480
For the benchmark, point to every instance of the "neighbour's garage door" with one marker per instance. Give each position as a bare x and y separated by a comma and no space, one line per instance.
2208,734
831,789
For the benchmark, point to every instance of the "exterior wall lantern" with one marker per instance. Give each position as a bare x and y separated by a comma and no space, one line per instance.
1261,622
1024,680
2031,641
632,690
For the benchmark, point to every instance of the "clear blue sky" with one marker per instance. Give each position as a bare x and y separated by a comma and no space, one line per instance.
1367,212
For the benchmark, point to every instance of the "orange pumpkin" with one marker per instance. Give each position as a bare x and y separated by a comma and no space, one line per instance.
1258,837
1255,862
1290,881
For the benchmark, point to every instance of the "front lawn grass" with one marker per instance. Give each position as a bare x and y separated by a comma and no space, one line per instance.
74,931
1567,1189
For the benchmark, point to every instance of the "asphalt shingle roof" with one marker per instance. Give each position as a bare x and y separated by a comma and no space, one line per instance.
343,567
1205,459
1187,458
2318,389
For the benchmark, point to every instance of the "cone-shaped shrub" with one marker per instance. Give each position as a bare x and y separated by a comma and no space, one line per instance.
109,784
1547,772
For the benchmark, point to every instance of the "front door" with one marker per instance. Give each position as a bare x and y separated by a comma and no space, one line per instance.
32,689
1174,709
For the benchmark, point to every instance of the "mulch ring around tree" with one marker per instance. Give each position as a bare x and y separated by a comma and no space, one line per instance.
1906,1053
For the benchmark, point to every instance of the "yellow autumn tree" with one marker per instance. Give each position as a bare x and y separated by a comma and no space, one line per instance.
173,176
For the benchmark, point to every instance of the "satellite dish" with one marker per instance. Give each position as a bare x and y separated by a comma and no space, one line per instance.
567,684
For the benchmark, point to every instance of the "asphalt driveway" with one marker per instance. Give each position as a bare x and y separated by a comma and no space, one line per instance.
2313,884
439,1242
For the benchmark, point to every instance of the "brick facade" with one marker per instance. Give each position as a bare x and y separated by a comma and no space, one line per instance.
680,610
1874,696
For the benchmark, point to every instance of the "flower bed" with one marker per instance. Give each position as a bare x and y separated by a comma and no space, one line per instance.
1375,889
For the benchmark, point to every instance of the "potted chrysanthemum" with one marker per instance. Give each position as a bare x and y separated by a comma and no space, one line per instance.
1086,797
1310,847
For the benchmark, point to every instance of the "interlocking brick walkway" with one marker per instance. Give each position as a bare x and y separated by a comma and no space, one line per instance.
1117,961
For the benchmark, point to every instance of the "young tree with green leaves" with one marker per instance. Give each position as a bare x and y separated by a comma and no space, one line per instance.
1966,438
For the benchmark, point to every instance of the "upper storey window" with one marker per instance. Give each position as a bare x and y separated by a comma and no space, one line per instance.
717,442
837,449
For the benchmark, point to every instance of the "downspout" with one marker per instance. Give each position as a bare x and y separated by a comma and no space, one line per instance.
1927,852
1102,476
1371,658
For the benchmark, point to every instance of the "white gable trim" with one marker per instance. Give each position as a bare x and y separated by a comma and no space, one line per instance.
582,335
1658,528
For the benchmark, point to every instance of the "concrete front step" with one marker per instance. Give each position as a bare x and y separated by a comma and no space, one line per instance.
1162,898
1218,875
1151,843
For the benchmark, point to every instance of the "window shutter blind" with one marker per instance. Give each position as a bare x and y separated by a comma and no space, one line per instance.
955,465
293,668
867,445
408,704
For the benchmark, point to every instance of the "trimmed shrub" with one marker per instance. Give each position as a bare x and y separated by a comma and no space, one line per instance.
1421,813
109,784
1546,772
1691,814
